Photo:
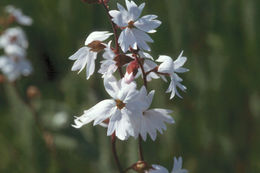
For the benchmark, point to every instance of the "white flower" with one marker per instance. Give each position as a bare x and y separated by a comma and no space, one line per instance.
13,36
15,51
157,169
177,167
123,110
152,119
134,28
148,65
108,66
86,56
13,68
18,15
168,66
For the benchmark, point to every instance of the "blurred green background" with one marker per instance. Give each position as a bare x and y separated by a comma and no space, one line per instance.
217,122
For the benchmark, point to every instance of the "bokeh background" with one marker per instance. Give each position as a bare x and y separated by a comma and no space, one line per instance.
217,122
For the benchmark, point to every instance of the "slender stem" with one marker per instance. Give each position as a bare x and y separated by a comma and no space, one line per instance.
141,156
113,137
113,26
156,71
113,141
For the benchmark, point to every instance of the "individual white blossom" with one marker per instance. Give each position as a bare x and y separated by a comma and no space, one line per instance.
13,68
177,167
148,65
122,110
170,67
108,65
134,28
86,56
157,169
153,120
13,36
15,51
18,15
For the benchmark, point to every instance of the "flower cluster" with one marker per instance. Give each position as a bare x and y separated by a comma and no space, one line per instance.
14,43
128,112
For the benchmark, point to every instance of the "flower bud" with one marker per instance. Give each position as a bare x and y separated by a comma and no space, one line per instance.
141,166
131,71
33,92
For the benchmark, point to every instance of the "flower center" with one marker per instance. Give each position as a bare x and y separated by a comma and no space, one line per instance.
120,104
131,24
13,39
96,46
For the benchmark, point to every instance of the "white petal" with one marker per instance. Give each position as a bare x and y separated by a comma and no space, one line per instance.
97,36
177,166
112,86
147,23
127,39
127,92
99,112
167,65
15,50
158,169
145,55
118,18
141,38
91,64
179,62
133,10
128,78
81,57
155,119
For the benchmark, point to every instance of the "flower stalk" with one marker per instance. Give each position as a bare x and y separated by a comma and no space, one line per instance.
128,112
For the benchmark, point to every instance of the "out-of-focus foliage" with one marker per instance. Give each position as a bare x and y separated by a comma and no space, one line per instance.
217,122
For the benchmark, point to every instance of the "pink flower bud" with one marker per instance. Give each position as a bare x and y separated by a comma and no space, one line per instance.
131,71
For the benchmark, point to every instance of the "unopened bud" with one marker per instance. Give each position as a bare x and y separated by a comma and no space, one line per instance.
2,78
141,166
131,71
33,92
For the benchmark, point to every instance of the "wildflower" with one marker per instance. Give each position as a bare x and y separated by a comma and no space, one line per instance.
108,66
170,67
86,56
177,167
13,36
152,119
122,110
13,68
18,16
134,28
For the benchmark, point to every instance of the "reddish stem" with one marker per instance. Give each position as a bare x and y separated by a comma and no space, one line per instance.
113,141
113,26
